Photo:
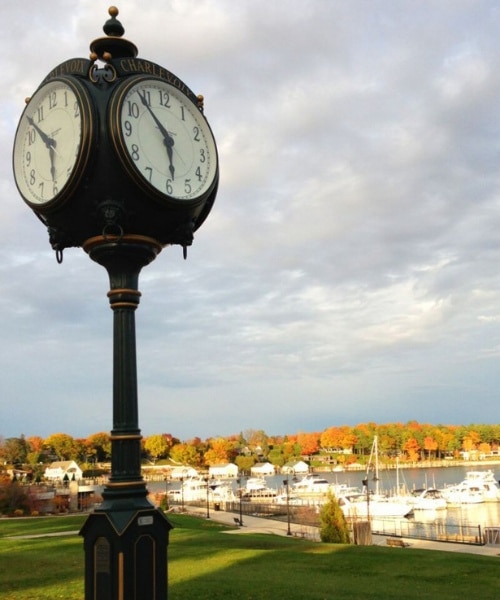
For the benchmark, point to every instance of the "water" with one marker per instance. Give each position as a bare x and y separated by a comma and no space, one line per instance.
486,514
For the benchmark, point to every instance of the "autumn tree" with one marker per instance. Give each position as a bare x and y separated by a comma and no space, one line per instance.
221,450
187,454
62,445
98,446
14,450
156,446
412,449
308,442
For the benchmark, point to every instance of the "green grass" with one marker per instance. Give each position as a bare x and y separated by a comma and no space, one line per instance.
205,563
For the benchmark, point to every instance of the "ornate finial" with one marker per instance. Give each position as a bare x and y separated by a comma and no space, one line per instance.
113,46
113,27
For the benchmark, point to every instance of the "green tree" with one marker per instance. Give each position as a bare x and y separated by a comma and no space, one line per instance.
333,525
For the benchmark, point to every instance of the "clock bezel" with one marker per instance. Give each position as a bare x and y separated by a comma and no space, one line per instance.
84,150
117,137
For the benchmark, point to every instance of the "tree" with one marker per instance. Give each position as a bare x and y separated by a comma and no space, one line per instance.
308,442
63,446
186,454
333,525
98,446
156,446
15,450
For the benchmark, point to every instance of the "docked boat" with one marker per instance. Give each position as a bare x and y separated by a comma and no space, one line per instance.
463,493
255,483
366,506
486,482
197,488
311,484
426,499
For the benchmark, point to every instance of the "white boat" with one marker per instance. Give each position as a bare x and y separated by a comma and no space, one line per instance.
195,489
463,493
311,484
486,482
426,499
368,504
255,483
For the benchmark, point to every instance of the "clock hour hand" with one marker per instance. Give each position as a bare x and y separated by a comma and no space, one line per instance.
49,142
168,140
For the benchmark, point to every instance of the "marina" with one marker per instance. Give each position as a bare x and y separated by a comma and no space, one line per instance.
432,519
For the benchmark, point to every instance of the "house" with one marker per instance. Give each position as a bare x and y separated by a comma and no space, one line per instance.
225,470
295,467
64,470
263,469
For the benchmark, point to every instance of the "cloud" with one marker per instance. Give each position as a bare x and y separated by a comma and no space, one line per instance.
348,270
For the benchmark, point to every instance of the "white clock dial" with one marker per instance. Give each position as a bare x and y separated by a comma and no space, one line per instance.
164,138
52,143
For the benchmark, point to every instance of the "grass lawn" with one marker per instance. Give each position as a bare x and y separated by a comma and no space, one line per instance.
205,563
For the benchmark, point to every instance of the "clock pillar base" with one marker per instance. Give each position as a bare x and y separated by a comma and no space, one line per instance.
126,555
126,539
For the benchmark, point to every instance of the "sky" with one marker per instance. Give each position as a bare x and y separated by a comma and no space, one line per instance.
349,269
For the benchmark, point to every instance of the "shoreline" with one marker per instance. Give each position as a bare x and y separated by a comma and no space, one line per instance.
427,464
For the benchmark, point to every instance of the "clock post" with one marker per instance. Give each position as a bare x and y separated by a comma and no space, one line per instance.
114,155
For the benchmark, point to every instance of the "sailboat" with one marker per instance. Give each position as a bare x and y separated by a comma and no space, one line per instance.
367,504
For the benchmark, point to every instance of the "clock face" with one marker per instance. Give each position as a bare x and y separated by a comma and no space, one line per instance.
163,139
52,143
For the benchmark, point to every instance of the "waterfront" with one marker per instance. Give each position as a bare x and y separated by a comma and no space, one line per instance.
484,515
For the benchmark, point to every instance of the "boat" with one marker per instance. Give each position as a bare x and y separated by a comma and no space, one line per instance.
486,482
426,499
256,487
195,489
255,483
368,504
362,505
463,493
311,484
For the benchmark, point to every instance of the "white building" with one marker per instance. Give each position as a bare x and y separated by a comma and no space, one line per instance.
63,470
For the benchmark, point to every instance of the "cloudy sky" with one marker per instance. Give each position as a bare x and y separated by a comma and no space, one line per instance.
349,270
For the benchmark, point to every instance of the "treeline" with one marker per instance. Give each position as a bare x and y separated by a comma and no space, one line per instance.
344,444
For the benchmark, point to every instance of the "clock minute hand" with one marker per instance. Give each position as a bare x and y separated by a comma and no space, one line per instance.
168,140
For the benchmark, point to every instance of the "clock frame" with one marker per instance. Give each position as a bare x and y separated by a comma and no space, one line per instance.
53,143
163,140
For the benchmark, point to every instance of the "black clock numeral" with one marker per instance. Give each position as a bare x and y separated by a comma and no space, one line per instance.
128,128
52,100
164,98
54,190
183,116
39,114
28,158
32,177
135,152
133,109
199,174
196,134
202,155
40,187
150,173
169,187
31,136
77,110
187,186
